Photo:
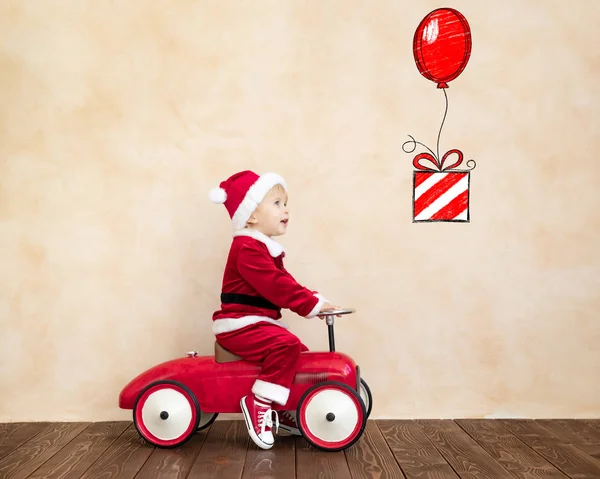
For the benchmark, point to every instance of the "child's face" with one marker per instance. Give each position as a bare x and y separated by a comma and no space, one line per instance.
271,216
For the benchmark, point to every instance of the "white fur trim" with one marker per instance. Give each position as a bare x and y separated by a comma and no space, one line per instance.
217,195
317,307
226,325
274,392
254,196
275,248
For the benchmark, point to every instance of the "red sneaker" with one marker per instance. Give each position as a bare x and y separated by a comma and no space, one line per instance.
259,420
287,422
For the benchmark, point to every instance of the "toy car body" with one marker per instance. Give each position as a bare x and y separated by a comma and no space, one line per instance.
174,399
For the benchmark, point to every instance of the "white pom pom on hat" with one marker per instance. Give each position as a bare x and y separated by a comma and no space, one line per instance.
217,195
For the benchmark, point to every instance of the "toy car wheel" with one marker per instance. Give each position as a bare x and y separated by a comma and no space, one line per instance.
331,416
365,394
166,414
206,419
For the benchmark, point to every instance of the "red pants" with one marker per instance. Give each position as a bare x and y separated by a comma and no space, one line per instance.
276,348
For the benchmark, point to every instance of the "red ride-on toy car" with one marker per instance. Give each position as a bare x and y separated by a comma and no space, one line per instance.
173,400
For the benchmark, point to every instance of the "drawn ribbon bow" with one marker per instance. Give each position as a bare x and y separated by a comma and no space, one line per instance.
436,162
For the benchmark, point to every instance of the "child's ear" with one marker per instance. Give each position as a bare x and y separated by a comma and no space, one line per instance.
251,220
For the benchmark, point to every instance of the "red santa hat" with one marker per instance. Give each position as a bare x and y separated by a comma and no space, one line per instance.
242,192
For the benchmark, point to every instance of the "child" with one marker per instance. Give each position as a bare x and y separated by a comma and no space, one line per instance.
255,288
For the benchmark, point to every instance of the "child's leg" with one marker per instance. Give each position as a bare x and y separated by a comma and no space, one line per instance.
278,351
276,348
287,418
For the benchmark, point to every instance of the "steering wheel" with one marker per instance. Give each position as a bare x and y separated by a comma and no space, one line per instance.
336,312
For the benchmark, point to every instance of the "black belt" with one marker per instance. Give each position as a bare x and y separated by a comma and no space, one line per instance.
235,298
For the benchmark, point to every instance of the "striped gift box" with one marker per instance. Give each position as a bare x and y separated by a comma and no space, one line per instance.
441,196
441,193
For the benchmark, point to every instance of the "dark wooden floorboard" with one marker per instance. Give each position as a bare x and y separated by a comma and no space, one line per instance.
13,434
314,463
567,457
123,459
575,432
463,453
173,463
416,455
25,459
224,452
279,461
594,423
412,449
371,458
510,452
582,429
77,456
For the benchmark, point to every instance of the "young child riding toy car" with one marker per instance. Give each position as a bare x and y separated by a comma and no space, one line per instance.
256,286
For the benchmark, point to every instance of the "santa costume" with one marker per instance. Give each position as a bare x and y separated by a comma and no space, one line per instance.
256,286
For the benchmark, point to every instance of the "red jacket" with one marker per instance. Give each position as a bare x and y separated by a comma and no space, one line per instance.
255,271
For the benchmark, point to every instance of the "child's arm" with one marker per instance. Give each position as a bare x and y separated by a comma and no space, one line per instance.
279,287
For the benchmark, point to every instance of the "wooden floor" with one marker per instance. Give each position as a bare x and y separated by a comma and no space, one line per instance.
424,449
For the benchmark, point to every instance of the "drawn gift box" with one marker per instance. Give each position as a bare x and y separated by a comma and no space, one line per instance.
441,193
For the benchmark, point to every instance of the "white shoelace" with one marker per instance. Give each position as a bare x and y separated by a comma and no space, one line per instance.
265,418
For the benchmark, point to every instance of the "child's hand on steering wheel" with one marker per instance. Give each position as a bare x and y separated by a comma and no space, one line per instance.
329,307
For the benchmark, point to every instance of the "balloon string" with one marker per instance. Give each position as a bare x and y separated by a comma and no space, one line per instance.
437,158
442,125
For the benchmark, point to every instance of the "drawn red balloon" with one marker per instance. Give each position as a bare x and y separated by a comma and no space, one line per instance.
442,45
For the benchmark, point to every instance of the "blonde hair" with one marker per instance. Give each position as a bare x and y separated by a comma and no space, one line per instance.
277,190
274,191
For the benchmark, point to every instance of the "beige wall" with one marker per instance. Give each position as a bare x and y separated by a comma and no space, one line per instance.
118,117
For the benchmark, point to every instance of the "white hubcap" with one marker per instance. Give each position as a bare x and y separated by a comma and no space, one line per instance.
336,402
365,397
204,418
177,418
